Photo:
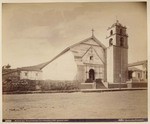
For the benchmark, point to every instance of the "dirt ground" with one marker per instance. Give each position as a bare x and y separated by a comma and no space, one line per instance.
78,105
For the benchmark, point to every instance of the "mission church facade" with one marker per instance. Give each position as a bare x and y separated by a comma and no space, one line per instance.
95,61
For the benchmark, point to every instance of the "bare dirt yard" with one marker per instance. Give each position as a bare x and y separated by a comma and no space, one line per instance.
78,105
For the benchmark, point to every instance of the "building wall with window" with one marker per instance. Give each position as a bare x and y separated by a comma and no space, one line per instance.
136,74
31,75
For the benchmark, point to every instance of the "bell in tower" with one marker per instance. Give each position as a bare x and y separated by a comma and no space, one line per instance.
117,35
117,53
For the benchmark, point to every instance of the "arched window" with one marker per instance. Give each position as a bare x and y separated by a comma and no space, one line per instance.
110,41
120,31
91,74
111,32
121,41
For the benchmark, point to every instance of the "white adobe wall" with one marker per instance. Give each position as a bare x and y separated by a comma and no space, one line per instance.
32,75
62,68
136,74
110,67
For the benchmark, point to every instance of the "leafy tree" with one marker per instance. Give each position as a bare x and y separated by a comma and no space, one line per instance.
8,66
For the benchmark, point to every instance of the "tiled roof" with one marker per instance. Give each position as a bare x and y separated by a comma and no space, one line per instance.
33,68
137,63
134,69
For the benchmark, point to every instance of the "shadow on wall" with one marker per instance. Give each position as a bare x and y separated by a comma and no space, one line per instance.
63,68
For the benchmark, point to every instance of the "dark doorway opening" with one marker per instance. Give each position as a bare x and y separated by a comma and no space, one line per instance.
130,74
92,74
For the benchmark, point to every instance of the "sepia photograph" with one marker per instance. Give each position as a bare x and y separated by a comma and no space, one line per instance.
74,62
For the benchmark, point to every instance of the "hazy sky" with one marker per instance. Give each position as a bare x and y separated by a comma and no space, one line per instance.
35,33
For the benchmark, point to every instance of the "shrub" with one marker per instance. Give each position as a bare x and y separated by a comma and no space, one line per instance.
58,85
31,85
19,85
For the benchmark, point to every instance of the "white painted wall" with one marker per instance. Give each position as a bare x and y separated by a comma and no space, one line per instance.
62,68
32,75
110,63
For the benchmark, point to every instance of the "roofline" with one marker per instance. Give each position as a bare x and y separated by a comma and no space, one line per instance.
134,69
79,42
97,41
68,48
42,65
92,37
137,63
64,51
28,69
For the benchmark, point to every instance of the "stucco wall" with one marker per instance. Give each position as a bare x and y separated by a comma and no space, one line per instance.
82,55
117,64
110,63
62,68
120,64
32,75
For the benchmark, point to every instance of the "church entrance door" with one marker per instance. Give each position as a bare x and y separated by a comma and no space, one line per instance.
91,74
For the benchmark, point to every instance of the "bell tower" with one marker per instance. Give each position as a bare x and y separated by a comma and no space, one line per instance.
117,53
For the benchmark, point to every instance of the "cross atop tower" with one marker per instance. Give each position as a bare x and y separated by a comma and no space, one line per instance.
92,32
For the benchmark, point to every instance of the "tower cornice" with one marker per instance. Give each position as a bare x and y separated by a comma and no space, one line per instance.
116,26
116,34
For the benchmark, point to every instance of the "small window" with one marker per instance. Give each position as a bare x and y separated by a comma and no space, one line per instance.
110,42
111,32
26,73
139,75
91,57
36,74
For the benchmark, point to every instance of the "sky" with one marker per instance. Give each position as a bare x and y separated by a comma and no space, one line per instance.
35,33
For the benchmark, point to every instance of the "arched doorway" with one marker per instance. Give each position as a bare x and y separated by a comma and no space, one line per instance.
91,74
